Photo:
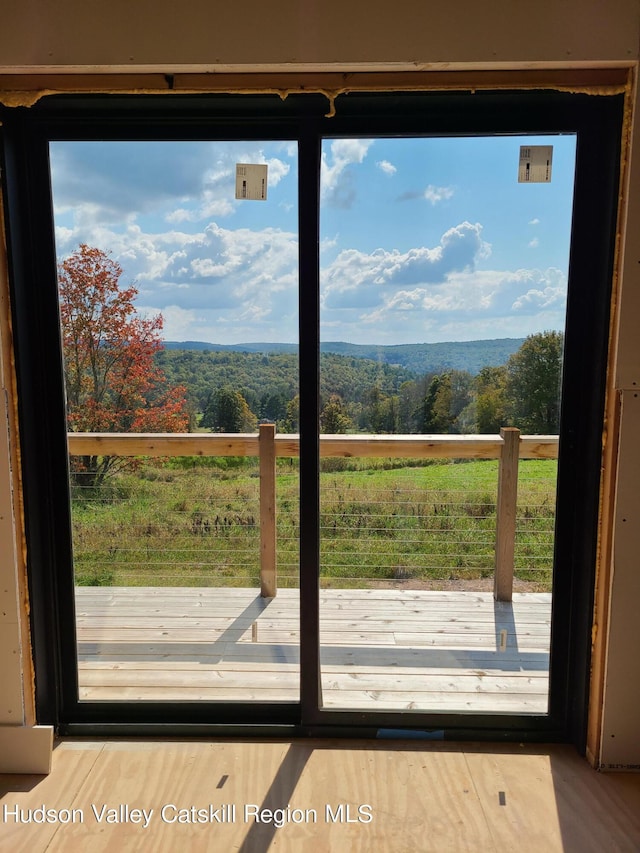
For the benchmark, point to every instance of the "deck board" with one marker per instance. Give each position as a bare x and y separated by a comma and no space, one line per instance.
382,649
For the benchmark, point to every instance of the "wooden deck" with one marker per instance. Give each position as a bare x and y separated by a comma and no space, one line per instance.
388,649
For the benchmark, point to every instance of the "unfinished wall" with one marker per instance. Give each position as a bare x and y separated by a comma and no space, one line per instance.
313,33
326,35
620,745
11,699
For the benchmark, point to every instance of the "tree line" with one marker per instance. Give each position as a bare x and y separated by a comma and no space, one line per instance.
120,379
234,391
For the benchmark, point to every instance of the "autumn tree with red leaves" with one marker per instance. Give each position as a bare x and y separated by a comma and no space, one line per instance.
112,383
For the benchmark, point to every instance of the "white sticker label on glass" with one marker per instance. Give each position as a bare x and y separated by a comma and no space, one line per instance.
251,181
535,164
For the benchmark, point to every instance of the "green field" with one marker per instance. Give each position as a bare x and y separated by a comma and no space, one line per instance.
186,522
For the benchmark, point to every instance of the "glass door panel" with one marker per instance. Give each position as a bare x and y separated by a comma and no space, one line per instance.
179,308
444,267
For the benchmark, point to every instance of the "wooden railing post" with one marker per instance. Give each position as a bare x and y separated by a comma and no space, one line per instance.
268,575
506,514
509,446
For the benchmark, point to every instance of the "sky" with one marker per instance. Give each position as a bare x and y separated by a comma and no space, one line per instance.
422,239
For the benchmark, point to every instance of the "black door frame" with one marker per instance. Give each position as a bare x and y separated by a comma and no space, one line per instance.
597,121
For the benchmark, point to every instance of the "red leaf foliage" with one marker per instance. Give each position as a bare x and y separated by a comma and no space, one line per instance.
112,383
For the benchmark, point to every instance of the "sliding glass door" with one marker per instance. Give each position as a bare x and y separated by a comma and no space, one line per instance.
444,268
311,407
178,283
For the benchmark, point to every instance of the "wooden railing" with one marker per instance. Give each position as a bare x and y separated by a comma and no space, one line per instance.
508,447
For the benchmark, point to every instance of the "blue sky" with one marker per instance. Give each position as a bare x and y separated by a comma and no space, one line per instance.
422,240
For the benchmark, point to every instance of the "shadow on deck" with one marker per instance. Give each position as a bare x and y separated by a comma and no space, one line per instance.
395,649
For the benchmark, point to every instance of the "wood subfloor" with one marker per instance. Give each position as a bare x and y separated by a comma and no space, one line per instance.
384,649
420,798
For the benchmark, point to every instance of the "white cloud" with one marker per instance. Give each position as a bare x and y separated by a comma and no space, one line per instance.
64,236
109,180
214,270
226,284
114,182
533,244
178,323
464,305
218,197
277,170
553,295
534,221
175,217
386,167
328,243
437,194
357,279
336,184
211,207
432,194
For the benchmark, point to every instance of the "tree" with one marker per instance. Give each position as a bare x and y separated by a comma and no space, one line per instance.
491,400
292,421
533,383
273,405
447,397
426,409
390,414
228,411
410,404
380,412
436,414
333,418
112,383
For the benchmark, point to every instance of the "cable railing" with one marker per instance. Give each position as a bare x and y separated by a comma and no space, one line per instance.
491,547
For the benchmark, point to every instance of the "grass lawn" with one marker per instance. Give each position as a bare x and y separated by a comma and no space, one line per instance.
196,523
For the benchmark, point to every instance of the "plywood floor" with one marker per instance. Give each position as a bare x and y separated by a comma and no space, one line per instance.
409,798
384,649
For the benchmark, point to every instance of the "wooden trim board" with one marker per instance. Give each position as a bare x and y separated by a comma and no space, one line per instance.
26,749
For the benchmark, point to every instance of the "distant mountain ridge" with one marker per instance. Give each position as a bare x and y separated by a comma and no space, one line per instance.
419,358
